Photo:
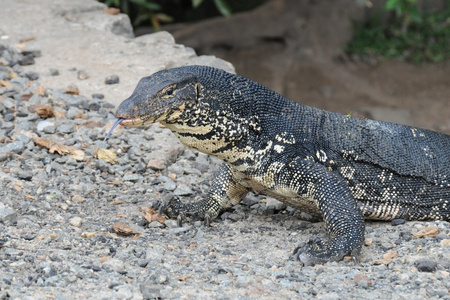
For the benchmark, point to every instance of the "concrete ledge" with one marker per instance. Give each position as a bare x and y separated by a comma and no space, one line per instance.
78,35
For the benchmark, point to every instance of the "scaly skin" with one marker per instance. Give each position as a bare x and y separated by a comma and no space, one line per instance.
338,167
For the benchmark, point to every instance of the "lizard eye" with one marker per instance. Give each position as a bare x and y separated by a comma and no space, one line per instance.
169,92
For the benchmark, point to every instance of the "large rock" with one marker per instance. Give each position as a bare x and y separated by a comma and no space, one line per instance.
78,35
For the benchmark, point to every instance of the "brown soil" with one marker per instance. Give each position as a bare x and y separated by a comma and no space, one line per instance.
295,48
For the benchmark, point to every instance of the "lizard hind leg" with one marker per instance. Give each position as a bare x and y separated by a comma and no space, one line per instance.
343,219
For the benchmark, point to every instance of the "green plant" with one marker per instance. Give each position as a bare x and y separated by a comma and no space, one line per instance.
406,11
153,11
150,11
221,5
412,35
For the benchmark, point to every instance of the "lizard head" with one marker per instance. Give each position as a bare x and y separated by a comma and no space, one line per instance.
161,97
194,102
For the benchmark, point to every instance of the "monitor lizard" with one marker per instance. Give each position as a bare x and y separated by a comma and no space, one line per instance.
338,167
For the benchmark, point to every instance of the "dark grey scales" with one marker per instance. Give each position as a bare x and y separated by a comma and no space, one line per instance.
338,167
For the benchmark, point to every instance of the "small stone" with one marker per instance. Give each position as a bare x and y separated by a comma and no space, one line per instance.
33,53
94,106
42,124
156,164
26,60
98,96
76,222
131,177
74,113
170,185
275,204
66,128
179,230
235,217
397,222
54,72
25,176
72,89
443,243
113,79
29,237
82,75
9,118
176,169
5,155
7,125
151,291
170,223
32,75
7,215
49,129
16,147
143,263
426,265
363,281
183,190
113,264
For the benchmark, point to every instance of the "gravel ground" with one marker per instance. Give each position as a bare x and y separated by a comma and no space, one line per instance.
64,217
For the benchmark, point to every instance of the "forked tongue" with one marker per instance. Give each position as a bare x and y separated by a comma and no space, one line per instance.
112,128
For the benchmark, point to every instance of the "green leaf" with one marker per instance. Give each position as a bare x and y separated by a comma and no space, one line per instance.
223,7
391,4
147,5
164,18
196,3
140,19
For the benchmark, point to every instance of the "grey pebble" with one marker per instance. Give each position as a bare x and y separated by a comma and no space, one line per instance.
32,75
74,112
183,190
171,223
41,125
151,291
143,263
113,79
426,265
26,60
25,175
66,128
16,147
179,230
275,204
397,222
7,215
101,96
82,75
131,177
113,264
54,72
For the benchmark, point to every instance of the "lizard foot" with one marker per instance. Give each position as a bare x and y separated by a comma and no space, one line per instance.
174,208
315,251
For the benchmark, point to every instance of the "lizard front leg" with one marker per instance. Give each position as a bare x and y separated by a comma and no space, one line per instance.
225,192
343,219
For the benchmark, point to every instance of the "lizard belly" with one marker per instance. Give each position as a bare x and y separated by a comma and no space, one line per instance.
280,192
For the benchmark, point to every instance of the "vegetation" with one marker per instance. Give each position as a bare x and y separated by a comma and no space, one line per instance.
155,12
411,34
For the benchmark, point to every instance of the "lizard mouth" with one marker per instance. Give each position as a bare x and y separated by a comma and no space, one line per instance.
135,122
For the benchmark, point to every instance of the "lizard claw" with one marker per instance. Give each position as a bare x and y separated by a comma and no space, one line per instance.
180,220
316,251
207,220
